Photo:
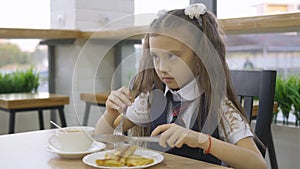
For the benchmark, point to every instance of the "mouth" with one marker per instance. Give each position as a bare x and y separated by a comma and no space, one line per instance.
167,79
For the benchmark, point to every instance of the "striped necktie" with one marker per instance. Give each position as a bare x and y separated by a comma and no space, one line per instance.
177,108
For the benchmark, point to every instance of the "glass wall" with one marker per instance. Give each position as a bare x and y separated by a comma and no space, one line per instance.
22,58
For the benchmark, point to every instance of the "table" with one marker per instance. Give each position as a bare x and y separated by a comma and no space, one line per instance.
28,150
97,99
255,108
20,102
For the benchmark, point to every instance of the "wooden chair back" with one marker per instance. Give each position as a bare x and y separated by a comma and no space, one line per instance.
250,85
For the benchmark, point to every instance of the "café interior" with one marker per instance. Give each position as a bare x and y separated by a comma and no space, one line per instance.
88,49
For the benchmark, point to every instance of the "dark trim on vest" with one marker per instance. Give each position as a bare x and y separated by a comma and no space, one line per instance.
160,117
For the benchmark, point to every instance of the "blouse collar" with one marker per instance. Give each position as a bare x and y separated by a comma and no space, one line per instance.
189,92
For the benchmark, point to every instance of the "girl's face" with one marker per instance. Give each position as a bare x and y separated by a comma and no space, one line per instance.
173,61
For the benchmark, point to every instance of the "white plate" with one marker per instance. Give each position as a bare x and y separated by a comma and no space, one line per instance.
97,146
91,159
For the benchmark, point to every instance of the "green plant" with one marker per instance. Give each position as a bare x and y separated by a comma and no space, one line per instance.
294,84
287,94
19,82
281,92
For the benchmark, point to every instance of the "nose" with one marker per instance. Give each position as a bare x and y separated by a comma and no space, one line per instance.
164,65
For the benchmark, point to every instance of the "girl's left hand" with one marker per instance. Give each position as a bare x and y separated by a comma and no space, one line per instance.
175,136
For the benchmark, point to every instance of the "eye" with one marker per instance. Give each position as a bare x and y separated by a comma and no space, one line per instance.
154,56
172,56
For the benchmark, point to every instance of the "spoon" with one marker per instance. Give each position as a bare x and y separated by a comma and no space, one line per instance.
56,125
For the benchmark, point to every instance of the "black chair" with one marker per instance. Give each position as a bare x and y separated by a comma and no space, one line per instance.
258,84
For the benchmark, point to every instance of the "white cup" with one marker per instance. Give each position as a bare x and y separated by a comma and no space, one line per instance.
76,139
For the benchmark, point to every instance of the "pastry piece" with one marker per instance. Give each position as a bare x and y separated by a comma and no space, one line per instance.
124,157
136,160
110,162
127,150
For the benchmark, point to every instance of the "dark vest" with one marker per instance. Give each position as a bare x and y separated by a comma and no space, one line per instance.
159,112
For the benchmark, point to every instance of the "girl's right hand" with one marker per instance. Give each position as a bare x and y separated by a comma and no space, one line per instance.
174,135
118,100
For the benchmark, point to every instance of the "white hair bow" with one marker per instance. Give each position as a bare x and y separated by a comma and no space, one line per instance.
195,10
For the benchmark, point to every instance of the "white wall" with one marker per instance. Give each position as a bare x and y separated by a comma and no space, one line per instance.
87,65
90,14
82,68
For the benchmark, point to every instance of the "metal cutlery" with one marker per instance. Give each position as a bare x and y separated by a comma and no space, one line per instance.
110,138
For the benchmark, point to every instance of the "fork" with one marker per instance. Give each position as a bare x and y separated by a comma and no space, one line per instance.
119,129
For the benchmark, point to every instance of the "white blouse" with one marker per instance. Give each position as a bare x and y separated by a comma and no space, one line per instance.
232,128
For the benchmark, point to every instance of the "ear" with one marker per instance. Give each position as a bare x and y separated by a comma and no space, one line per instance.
198,69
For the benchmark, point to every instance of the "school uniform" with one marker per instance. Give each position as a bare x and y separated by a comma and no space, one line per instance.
155,108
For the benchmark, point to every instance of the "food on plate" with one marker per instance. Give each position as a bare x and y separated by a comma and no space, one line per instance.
124,157
110,163
137,160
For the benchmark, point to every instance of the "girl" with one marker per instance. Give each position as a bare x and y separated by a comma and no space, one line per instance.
183,93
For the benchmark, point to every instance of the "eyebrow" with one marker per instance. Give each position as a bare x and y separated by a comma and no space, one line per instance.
174,51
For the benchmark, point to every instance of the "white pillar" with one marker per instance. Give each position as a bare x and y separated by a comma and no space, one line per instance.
90,14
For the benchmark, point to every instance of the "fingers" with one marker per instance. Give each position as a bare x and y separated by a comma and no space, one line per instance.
182,139
164,136
119,99
160,129
171,134
175,138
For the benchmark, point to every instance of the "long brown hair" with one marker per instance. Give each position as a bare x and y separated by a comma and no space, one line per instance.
208,26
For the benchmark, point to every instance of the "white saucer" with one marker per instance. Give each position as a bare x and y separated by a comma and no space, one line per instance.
73,155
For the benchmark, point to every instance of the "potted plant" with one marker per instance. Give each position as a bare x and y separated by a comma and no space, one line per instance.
287,94
294,85
19,82
282,90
